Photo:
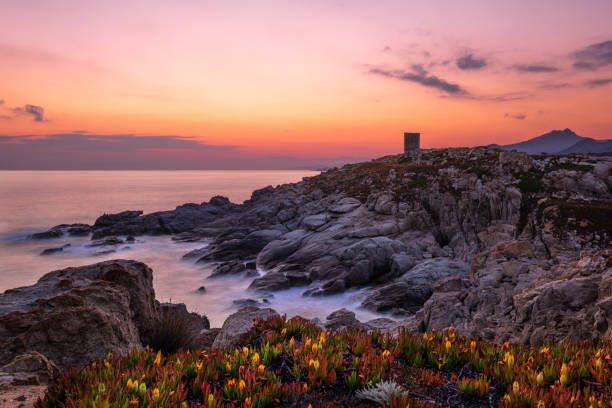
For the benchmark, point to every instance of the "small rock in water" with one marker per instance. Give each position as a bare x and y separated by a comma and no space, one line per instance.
202,289
245,302
60,230
196,253
104,252
50,251
228,268
186,237
79,229
106,241
129,238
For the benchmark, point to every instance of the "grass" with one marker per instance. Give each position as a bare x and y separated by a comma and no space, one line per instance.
295,364
173,331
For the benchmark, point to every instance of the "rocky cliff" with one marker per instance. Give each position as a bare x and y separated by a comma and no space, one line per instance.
499,244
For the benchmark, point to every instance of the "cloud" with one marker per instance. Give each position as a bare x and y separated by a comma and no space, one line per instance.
468,62
95,151
421,76
78,142
509,97
555,85
1,101
67,151
593,56
36,112
594,83
535,68
519,116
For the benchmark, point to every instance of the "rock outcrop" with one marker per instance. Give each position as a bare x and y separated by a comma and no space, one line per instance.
73,316
512,296
239,324
405,231
184,218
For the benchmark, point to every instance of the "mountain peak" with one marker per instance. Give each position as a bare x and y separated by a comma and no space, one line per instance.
559,142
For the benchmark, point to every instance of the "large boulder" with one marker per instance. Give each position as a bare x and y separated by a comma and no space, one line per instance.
343,319
246,247
369,259
414,287
239,324
76,315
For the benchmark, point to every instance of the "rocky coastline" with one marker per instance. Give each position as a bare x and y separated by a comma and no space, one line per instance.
499,245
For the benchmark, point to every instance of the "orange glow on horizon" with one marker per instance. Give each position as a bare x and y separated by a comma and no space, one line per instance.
273,79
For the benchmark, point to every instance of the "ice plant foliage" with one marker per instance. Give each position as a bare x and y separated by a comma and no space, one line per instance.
295,364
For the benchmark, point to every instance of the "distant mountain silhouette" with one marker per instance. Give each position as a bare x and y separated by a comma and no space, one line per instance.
560,142
589,145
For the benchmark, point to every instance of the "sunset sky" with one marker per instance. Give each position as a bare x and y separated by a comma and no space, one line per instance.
288,84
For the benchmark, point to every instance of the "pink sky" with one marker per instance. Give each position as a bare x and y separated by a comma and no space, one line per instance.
305,79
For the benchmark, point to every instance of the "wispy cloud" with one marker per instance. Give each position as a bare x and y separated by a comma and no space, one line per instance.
593,56
555,85
594,83
37,113
535,68
468,62
518,116
422,77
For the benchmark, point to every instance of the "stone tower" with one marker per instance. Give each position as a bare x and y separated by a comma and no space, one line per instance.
412,143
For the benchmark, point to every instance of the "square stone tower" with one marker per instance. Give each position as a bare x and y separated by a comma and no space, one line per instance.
412,143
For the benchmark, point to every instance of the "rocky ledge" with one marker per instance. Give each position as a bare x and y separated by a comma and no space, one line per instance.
499,244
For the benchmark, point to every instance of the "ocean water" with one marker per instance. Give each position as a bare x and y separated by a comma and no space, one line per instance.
32,201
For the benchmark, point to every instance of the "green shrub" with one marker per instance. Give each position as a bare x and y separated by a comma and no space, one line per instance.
417,182
570,166
530,182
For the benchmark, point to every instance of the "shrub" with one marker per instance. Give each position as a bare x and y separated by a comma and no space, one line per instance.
172,332
418,182
530,182
570,166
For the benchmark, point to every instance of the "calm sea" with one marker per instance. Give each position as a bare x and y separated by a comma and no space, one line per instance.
33,201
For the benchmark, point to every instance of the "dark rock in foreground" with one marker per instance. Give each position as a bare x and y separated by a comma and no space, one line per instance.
76,315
